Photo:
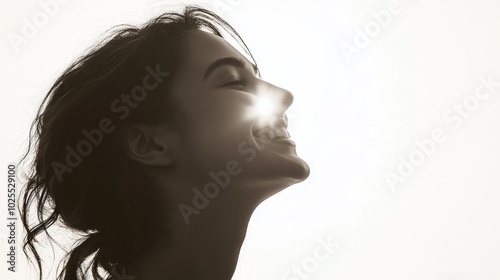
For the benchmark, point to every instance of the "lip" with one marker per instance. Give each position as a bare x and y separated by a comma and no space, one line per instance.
278,123
281,122
289,142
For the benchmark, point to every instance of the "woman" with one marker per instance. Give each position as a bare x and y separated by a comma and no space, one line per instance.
159,144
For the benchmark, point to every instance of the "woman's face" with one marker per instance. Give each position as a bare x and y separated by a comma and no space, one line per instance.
235,122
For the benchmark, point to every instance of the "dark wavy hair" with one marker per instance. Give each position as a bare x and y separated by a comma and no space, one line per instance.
103,195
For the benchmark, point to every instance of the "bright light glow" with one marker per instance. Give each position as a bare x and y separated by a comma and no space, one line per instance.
265,109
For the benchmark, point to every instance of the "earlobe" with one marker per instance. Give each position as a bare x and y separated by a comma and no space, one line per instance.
149,145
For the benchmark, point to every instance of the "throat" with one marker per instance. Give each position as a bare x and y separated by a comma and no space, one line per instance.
207,248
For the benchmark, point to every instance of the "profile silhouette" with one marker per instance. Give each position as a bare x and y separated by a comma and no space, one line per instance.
158,145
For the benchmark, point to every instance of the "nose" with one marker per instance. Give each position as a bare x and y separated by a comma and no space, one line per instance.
287,99
282,97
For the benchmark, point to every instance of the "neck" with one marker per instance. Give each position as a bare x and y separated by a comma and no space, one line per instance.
206,248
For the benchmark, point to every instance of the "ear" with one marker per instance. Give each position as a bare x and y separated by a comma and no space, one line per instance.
150,144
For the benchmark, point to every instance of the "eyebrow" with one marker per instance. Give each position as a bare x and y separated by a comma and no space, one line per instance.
233,61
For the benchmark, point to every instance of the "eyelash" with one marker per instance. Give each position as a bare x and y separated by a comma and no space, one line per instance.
238,80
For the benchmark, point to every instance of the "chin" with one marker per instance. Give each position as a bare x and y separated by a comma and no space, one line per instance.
273,172
279,170
295,169
275,164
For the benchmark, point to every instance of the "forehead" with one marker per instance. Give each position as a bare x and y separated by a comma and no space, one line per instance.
203,48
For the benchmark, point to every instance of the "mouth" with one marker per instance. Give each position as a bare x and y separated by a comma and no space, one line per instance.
272,133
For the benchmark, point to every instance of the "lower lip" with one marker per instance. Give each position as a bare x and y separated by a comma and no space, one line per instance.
279,141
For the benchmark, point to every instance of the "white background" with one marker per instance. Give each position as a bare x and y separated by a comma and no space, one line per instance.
352,121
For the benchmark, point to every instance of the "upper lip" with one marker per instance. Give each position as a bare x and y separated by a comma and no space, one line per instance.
281,122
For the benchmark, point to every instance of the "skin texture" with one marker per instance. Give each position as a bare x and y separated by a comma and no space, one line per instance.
220,116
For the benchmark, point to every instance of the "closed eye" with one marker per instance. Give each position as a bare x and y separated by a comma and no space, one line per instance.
235,80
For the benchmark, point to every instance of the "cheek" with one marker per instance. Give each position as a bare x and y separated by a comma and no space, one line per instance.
222,114
218,126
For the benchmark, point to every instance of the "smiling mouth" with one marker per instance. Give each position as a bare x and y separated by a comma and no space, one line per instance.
272,133
276,131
